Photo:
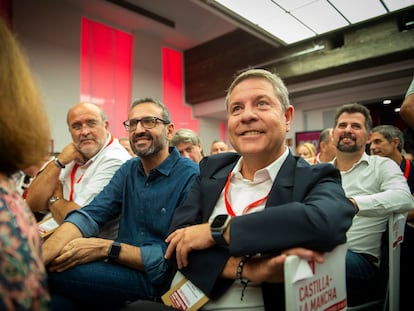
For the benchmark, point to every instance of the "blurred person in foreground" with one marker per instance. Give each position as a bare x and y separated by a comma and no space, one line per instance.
24,141
268,201
407,107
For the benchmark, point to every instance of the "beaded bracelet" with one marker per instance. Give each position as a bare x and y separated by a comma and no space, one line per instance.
239,272
58,163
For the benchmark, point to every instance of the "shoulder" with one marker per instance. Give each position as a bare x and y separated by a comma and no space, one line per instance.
211,164
306,172
116,151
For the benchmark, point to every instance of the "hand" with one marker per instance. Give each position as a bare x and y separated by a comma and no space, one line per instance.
69,154
183,241
270,269
80,251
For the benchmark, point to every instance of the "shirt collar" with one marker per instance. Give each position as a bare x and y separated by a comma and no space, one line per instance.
167,165
269,171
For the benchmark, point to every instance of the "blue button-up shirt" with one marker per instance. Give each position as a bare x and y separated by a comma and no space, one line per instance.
145,204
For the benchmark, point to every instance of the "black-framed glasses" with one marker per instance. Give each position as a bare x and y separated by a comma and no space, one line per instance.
146,123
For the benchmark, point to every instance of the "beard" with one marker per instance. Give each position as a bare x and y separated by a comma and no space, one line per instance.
158,144
348,148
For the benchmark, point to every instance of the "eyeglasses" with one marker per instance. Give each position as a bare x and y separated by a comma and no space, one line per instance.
146,123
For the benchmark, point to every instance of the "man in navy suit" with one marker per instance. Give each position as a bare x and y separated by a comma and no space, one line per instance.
248,210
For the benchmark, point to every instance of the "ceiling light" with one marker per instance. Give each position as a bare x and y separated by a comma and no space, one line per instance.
386,101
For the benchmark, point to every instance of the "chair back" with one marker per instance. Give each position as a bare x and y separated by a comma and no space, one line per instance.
396,225
390,263
313,286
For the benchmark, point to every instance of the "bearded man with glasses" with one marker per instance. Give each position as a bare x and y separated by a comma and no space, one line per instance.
91,273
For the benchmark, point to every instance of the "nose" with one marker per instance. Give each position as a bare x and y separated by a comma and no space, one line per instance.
85,129
139,128
248,113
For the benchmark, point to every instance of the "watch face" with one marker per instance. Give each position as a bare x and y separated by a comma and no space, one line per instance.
219,221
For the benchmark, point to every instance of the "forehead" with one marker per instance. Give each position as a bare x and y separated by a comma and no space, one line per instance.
219,144
184,145
145,110
252,87
84,112
355,117
377,136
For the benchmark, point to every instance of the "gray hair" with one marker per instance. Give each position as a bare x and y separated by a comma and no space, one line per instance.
185,136
390,132
279,87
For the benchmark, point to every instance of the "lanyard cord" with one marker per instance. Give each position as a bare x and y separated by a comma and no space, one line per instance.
407,168
73,174
247,208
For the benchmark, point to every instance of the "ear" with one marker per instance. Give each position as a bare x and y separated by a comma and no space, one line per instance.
369,138
395,142
290,111
170,131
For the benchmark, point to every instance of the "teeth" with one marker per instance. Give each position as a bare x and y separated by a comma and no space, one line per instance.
251,133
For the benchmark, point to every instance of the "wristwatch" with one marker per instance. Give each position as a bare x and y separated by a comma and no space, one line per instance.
218,226
113,251
52,200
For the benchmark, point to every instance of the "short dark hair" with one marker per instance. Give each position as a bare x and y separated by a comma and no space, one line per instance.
355,108
165,113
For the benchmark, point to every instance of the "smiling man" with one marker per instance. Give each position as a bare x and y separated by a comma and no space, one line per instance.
90,273
376,187
82,169
259,200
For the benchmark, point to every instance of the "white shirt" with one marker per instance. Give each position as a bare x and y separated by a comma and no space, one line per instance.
92,177
241,193
379,188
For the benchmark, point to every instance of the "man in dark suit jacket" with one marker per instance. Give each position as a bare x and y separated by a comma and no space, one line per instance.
278,204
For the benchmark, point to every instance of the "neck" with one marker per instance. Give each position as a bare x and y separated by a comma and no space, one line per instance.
397,158
345,160
252,163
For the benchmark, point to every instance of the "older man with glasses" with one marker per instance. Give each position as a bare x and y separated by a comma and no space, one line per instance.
81,170
98,274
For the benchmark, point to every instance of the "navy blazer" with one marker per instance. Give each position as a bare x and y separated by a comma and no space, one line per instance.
306,207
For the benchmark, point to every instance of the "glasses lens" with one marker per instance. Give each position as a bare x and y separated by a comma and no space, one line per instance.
148,122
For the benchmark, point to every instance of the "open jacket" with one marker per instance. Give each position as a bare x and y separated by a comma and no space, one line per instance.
306,208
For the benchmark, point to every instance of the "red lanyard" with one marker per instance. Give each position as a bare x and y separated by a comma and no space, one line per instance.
73,174
407,168
246,209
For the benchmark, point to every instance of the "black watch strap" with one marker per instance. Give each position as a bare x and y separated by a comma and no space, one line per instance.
218,238
113,251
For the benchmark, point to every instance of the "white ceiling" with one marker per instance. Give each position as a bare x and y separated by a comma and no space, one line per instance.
193,24
290,21
198,21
